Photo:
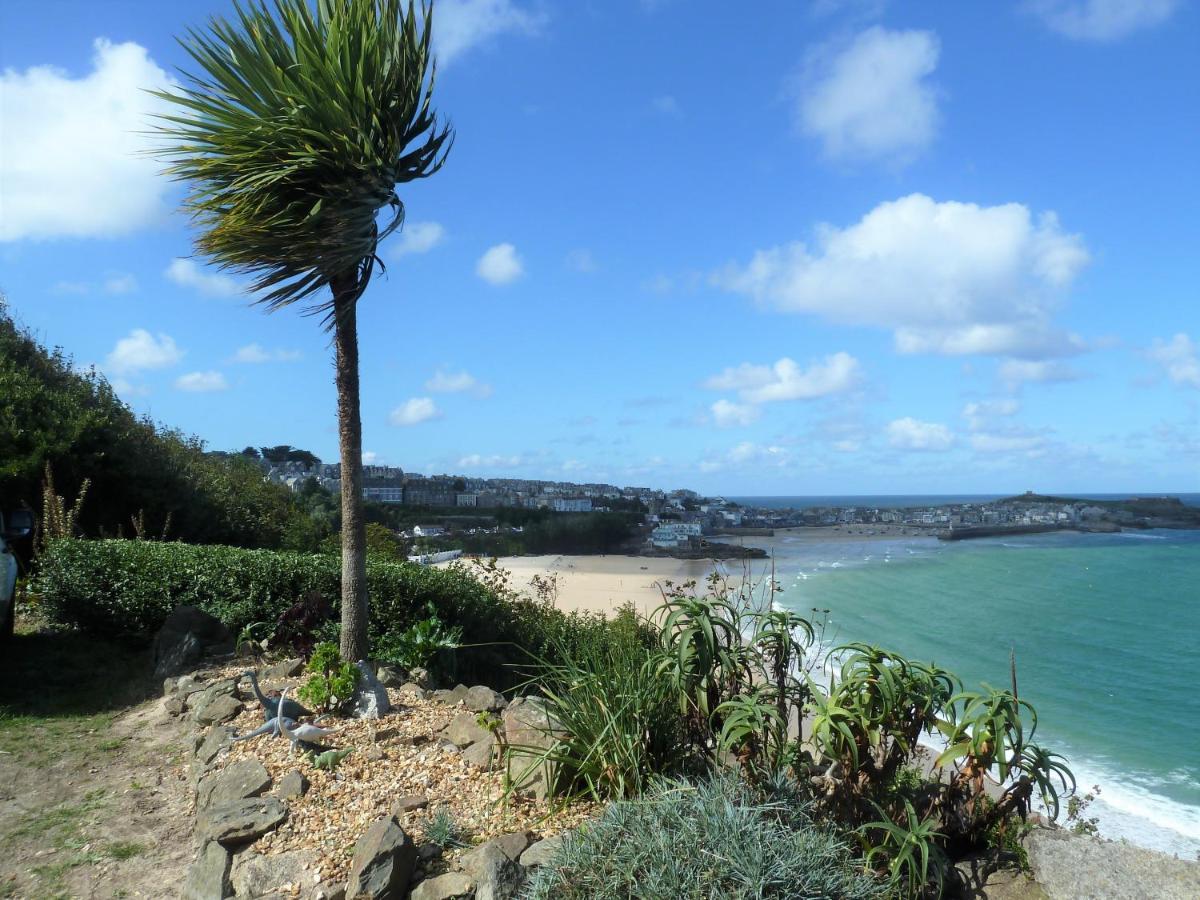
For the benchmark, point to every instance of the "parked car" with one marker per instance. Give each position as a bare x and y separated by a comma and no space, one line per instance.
14,526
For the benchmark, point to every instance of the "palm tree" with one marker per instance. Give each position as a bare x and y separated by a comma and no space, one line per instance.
292,137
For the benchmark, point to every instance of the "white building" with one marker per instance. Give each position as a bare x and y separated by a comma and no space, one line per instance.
428,531
572,504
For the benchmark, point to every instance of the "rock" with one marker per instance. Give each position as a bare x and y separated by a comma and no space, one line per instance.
451,697
514,844
496,876
173,706
207,747
528,729
220,709
287,668
451,886
329,890
463,730
371,698
481,754
980,880
542,852
208,877
384,859
409,803
427,851
420,676
256,875
1070,866
241,780
240,822
412,689
186,635
390,676
483,699
292,785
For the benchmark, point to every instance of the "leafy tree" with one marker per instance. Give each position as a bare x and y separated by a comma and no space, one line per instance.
293,136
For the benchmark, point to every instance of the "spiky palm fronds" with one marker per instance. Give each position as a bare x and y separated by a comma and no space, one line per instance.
295,132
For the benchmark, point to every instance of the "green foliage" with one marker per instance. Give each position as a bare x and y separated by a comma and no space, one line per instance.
908,850
443,829
331,681
293,133
421,645
693,842
1077,818
53,414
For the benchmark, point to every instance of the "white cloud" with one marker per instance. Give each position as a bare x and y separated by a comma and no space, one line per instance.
1179,359
785,380
870,100
71,159
141,350
418,237
950,278
202,382
120,284
1016,372
415,411
910,434
747,453
979,413
186,273
256,353
444,382
581,261
370,457
667,105
1101,20
459,25
495,461
727,414
500,265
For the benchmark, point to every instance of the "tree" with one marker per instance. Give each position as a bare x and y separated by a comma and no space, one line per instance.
293,137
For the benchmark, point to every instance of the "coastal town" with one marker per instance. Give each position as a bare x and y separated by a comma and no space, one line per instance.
686,521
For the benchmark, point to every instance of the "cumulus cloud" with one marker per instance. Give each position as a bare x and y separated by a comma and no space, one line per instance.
871,100
461,25
727,414
494,461
500,265
140,351
202,382
910,434
1179,359
980,413
415,411
185,273
120,284
71,158
418,237
256,353
946,277
748,453
1101,20
785,380
370,457
444,382
1016,372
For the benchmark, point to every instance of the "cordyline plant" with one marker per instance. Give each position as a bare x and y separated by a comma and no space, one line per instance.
292,135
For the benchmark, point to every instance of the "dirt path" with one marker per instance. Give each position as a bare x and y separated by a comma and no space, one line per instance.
93,800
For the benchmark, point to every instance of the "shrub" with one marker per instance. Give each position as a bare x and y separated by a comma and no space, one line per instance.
331,679
712,839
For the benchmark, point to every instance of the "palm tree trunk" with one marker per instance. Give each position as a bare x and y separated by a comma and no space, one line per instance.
354,528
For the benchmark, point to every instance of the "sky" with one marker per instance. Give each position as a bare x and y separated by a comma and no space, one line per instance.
832,247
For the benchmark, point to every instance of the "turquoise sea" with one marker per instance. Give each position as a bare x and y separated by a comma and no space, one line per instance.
1104,628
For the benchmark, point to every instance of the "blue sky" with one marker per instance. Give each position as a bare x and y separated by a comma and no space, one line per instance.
829,247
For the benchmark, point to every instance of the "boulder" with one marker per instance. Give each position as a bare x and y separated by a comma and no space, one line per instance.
483,699
173,706
390,676
412,689
528,729
451,697
207,746
329,890
370,698
496,876
420,676
287,668
1069,866
384,859
292,785
451,886
208,877
241,822
241,780
514,844
481,754
256,875
221,708
186,635
542,852
463,731
409,803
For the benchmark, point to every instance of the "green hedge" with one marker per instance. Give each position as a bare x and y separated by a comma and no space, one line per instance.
122,587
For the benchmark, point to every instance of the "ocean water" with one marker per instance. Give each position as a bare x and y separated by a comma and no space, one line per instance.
1104,628
899,501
